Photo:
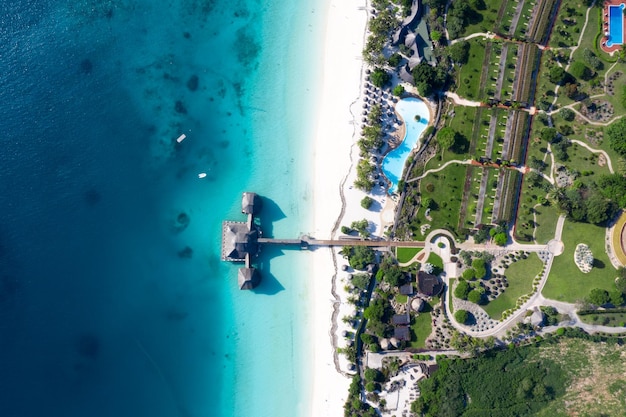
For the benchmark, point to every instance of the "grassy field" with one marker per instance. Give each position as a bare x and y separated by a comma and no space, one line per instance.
406,254
435,260
569,23
469,75
597,375
520,276
566,282
547,217
447,190
531,195
605,319
421,325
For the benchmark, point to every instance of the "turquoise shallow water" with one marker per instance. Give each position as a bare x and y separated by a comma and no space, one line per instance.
394,161
99,313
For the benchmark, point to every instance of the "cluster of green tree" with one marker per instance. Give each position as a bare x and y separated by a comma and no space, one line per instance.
428,79
380,26
499,235
616,134
370,341
586,70
354,407
615,297
461,13
471,291
378,315
551,314
358,256
380,77
373,378
392,274
600,297
364,173
466,343
591,201
503,384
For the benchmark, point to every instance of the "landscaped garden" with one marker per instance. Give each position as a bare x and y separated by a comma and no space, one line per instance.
566,282
519,276
406,254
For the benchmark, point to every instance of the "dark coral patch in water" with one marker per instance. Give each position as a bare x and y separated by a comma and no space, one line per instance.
193,82
186,35
86,66
92,197
180,107
185,253
88,346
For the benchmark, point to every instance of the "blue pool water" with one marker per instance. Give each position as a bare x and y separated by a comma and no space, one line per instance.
102,312
394,161
616,25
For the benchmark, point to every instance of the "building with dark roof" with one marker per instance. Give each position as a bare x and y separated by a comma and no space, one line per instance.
400,319
238,240
428,284
402,333
406,289
250,203
248,278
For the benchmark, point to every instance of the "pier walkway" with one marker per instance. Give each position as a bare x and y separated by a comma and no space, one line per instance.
307,242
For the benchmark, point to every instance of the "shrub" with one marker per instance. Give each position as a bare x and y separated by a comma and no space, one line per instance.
380,77
398,90
461,316
475,296
366,203
461,290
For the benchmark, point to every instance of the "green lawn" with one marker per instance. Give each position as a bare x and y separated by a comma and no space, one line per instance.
406,254
547,217
421,326
520,276
566,35
401,298
469,75
486,20
531,195
566,282
447,189
435,260
606,319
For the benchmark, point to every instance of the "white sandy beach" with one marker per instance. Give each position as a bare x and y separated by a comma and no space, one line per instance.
334,152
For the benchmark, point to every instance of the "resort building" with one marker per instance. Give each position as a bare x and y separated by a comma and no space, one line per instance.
428,284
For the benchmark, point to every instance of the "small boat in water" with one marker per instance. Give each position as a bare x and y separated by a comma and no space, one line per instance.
202,175
181,138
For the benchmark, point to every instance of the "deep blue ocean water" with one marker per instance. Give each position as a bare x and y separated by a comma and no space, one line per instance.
101,311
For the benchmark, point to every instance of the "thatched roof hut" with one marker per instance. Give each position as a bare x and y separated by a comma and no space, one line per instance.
250,203
384,344
417,304
248,278
238,241
428,284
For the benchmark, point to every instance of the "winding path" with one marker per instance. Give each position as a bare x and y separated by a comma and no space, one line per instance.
433,170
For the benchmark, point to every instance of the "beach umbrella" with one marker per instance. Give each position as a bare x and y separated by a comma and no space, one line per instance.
344,267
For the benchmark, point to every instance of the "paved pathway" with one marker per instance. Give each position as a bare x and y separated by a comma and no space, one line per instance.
606,156
430,171
487,35
462,101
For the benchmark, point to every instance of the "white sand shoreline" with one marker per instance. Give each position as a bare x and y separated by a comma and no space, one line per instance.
336,134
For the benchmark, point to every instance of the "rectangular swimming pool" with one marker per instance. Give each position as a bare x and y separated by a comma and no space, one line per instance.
616,25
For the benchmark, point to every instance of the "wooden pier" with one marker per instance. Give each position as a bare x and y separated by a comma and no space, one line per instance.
308,242
242,241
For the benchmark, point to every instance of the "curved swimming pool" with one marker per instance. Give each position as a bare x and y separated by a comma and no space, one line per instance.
394,161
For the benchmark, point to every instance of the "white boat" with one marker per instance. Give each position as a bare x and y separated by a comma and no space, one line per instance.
181,138
202,175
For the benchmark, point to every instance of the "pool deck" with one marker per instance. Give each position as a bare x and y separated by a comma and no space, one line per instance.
605,26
